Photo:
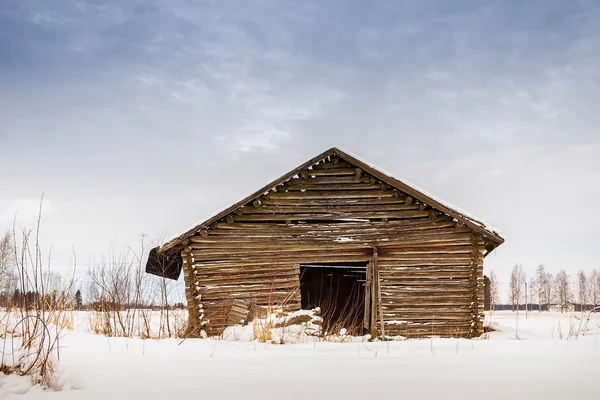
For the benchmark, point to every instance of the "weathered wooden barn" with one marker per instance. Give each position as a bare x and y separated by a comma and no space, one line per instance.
336,233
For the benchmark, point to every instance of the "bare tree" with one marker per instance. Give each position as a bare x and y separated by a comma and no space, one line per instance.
582,290
595,288
121,294
563,291
532,294
517,282
7,251
538,286
548,290
7,258
163,288
113,284
494,291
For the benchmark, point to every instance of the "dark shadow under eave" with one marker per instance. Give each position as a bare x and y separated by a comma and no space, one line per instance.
165,265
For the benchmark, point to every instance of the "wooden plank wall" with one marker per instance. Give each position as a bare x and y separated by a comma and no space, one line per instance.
430,268
433,290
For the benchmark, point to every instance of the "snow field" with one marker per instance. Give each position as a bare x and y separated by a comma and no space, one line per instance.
539,365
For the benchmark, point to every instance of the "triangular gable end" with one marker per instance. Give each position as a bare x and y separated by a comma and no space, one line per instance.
335,155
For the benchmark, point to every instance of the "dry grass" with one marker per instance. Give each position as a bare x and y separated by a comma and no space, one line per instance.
99,323
261,330
142,322
32,329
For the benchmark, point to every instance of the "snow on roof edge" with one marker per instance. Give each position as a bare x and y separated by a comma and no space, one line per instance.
458,210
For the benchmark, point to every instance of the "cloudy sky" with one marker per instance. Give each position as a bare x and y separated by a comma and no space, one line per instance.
144,117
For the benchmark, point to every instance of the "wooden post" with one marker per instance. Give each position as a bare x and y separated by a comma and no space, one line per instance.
373,300
368,283
378,290
476,283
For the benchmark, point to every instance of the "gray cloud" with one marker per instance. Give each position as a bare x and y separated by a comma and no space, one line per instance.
148,117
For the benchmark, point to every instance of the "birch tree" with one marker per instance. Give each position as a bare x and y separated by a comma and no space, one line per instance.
595,288
7,257
516,289
494,291
582,290
538,286
548,290
563,290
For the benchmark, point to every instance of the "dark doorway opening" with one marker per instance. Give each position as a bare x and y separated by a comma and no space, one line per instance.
338,289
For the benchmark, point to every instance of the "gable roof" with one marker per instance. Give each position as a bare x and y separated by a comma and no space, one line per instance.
475,224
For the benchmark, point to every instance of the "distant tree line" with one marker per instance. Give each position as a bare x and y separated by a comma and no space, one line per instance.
544,292
59,299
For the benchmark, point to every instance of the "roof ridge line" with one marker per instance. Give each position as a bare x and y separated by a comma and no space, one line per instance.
412,190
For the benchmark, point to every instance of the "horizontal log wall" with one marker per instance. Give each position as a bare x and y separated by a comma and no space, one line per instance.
436,295
429,268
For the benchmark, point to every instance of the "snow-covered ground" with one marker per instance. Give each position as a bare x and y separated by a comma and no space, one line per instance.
557,356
